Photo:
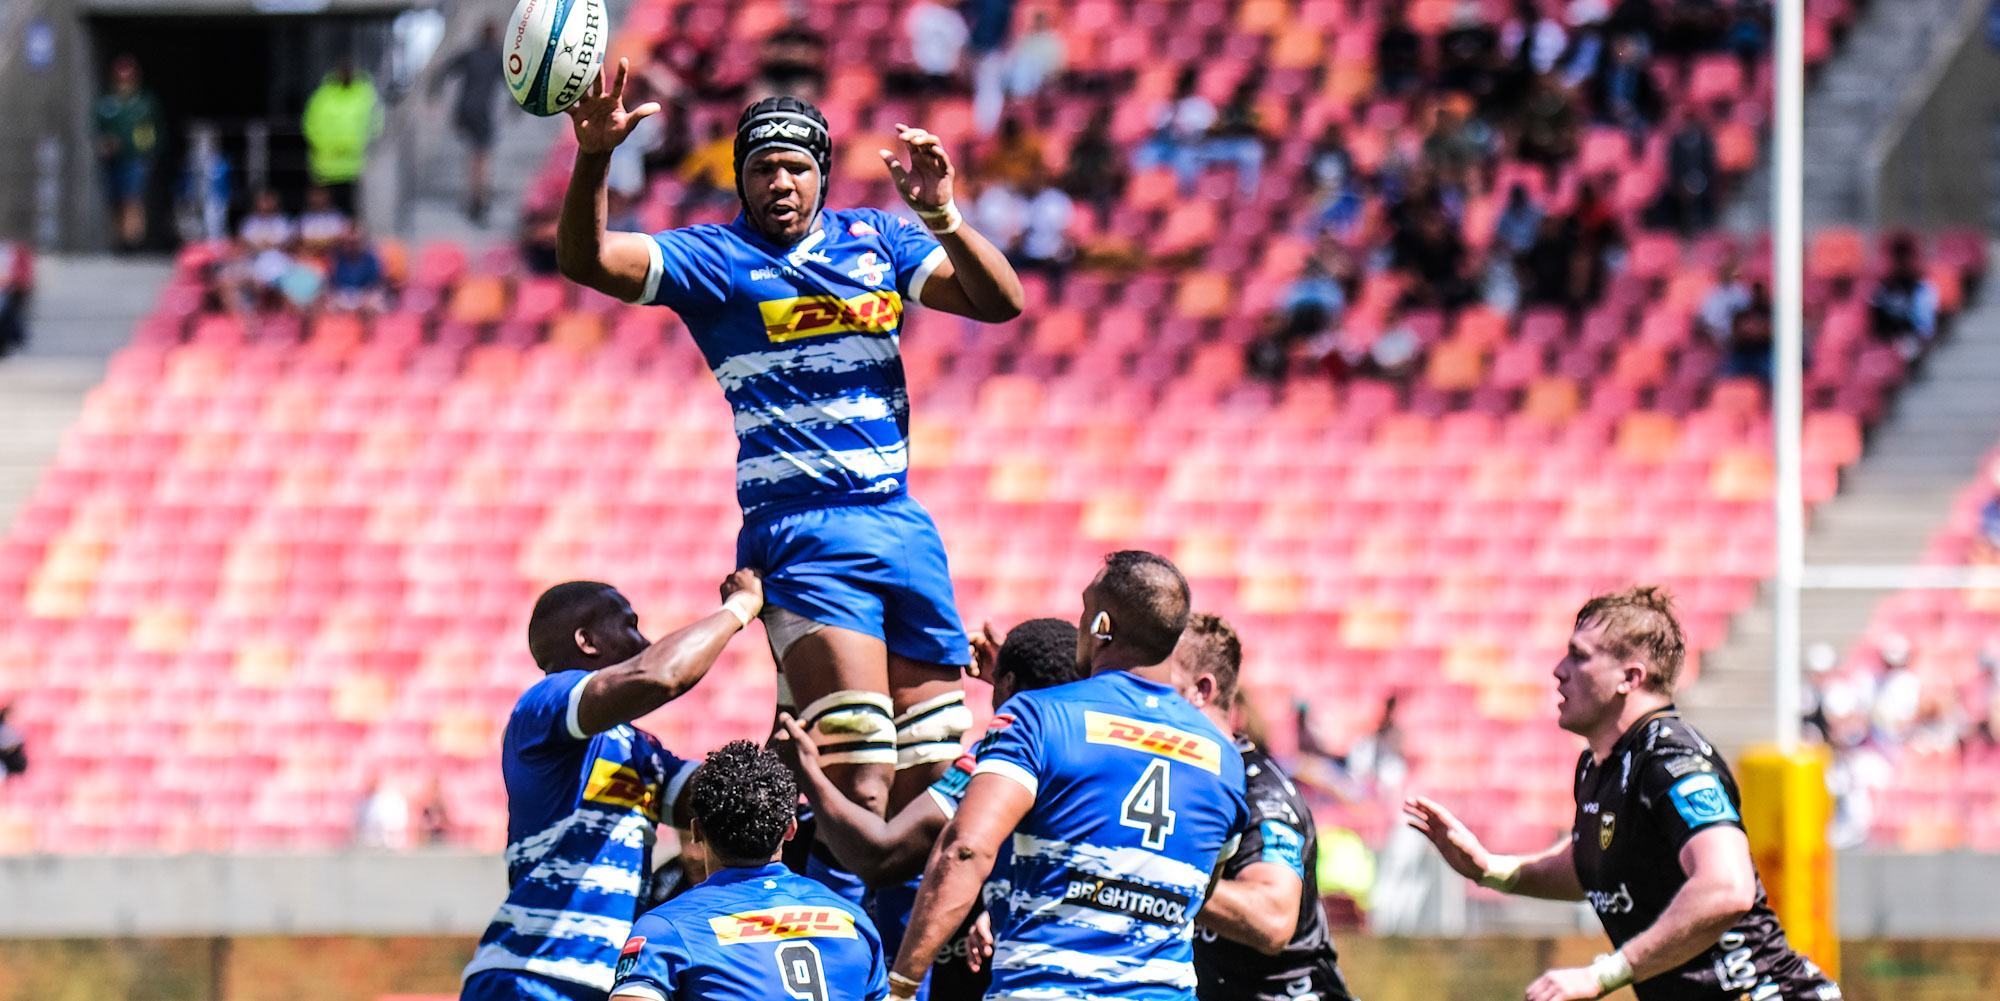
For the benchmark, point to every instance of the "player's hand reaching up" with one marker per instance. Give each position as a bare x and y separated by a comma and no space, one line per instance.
925,182
985,652
979,941
1461,850
599,116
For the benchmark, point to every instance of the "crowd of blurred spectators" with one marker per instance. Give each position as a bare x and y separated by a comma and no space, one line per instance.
316,261
1875,709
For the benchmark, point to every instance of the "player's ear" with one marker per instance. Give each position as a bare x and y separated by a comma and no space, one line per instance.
1204,689
792,829
585,642
1634,678
697,836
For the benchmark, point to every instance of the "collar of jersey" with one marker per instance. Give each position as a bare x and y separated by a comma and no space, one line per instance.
738,874
1631,735
741,224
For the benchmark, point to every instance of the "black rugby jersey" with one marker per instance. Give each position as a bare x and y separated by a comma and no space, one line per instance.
1661,785
1281,831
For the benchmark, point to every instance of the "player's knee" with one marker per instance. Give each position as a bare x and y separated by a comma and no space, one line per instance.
930,731
852,728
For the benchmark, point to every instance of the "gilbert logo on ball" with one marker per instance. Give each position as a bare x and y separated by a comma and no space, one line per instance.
552,52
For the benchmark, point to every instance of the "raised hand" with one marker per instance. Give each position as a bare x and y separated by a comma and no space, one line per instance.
925,183
599,116
1456,842
985,653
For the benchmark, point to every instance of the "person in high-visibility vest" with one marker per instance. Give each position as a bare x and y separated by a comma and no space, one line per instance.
340,121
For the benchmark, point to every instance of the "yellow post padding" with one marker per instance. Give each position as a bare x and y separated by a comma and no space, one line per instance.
1786,808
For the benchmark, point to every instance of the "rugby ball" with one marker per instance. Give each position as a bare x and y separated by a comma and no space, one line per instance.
552,51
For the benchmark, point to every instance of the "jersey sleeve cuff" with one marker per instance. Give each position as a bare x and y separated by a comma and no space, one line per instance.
1010,770
639,989
655,267
675,784
917,277
945,803
576,703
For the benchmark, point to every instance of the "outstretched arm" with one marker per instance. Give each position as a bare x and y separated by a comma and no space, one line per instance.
1259,907
664,671
963,859
1550,875
612,263
879,851
975,279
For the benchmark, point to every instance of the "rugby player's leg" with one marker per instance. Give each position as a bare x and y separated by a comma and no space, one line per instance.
830,672
928,649
930,720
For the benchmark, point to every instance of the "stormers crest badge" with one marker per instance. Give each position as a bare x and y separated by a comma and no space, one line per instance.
1607,825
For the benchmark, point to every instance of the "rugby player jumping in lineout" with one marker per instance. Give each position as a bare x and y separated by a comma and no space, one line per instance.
1658,847
798,309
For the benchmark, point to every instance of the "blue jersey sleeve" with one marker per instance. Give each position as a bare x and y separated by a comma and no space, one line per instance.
913,251
652,962
688,273
1013,745
546,713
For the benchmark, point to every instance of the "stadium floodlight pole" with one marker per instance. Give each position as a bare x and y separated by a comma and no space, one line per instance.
1787,396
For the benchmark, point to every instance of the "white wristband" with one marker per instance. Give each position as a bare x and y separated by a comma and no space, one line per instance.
943,221
743,605
901,986
1502,872
1612,971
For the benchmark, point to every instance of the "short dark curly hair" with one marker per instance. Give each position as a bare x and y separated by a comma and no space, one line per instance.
1040,653
745,799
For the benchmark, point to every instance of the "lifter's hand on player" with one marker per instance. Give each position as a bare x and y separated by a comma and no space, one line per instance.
926,182
745,581
985,653
1461,850
599,116
1576,983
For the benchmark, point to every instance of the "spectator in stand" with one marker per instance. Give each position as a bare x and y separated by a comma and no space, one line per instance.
1898,694
341,118
266,226
1530,43
793,61
1548,128
481,82
1987,724
710,171
1237,136
1520,219
1432,256
1600,237
1548,271
13,748
1454,151
1904,307
127,127
1986,548
1329,170
937,42
17,286
1096,171
1036,59
1623,92
208,183
1319,298
1045,245
1468,53
355,278
434,816
1178,127
1725,301
1857,776
1751,338
1749,34
1399,52
991,24
1821,659
539,222
1687,200
383,820
322,225
1016,158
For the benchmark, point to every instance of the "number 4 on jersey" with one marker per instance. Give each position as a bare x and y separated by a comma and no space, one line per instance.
1146,807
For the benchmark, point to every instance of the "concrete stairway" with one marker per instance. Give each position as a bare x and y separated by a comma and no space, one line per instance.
84,309
1890,504
1853,98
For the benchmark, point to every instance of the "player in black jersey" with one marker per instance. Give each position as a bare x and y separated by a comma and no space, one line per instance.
1261,935
1658,846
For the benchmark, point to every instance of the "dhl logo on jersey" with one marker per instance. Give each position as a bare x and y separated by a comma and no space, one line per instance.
614,784
774,923
1153,738
814,315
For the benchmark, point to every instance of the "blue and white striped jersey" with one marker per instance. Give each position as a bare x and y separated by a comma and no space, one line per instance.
581,816
1137,796
761,934
804,342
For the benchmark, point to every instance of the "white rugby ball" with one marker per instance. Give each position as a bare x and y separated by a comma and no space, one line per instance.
552,51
